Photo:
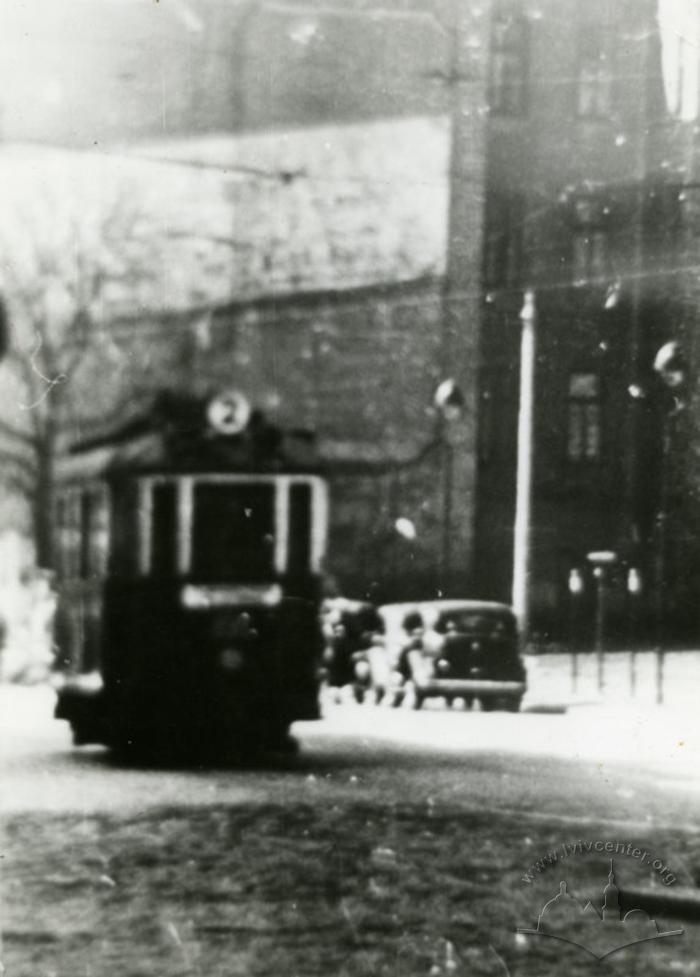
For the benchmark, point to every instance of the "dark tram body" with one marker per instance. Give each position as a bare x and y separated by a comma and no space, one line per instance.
190,551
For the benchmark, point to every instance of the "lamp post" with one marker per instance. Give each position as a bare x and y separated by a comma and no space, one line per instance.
523,491
576,590
448,401
670,365
634,589
601,560
660,567
4,328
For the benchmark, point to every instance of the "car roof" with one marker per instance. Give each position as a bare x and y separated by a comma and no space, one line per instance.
431,610
345,604
446,605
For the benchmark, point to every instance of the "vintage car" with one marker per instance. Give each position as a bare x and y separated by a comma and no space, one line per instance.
457,649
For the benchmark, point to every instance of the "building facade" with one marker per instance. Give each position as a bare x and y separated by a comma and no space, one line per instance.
343,270
306,268
588,204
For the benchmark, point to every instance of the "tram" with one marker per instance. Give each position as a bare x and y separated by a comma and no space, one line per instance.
190,545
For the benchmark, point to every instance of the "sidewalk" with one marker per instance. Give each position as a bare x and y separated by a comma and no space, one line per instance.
551,681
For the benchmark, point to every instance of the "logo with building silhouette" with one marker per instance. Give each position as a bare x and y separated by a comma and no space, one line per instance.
600,933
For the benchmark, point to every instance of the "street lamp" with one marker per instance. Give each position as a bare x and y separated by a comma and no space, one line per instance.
601,561
634,589
577,587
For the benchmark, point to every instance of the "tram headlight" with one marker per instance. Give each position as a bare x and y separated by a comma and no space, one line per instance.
231,659
195,598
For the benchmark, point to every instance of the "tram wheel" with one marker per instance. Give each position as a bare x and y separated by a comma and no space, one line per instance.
278,739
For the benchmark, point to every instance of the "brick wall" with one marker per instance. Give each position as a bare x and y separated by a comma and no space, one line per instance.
359,368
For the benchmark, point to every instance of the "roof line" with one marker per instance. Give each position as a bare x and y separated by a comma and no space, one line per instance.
296,298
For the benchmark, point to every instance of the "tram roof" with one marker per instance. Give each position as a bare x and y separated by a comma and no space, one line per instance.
172,437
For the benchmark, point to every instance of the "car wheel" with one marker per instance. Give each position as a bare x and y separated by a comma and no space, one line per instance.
286,745
418,700
504,703
80,735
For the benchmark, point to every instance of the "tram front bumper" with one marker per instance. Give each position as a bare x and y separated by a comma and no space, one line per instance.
80,701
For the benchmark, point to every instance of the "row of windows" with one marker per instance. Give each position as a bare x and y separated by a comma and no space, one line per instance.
229,529
591,252
594,77
583,437
508,89
82,533
590,256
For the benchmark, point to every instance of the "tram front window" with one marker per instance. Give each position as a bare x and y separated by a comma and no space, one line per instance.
233,532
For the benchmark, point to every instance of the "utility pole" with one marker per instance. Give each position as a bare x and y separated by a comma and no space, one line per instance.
523,491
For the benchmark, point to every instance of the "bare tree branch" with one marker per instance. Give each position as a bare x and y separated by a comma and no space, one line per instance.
17,434
57,282
26,465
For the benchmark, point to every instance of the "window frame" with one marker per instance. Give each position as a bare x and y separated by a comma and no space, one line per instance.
504,239
584,412
591,254
184,488
509,62
498,402
595,55
82,531
682,99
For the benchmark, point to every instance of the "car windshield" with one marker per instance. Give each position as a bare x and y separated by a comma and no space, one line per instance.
468,622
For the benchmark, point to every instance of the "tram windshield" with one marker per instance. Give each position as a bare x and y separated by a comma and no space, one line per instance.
233,531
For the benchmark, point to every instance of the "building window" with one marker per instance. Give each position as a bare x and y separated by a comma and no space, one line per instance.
591,255
583,415
594,76
503,247
509,62
664,217
680,71
497,413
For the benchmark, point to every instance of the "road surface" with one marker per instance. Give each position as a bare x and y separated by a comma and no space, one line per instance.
392,833
585,761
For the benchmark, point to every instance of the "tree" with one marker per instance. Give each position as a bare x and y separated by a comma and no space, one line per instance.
67,260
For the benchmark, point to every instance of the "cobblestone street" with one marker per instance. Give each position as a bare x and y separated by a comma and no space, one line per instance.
396,843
